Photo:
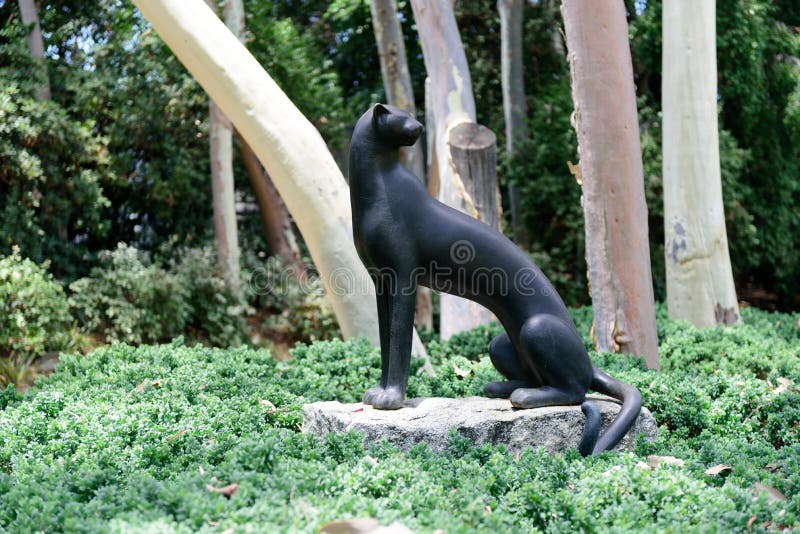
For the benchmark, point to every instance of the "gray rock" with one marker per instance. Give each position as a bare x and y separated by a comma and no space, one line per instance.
479,419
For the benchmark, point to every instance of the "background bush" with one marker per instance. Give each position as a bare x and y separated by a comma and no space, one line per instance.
135,300
34,316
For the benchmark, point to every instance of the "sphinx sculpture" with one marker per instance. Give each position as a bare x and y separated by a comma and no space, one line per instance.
407,238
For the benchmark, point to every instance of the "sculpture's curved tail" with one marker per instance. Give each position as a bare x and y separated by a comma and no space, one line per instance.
631,406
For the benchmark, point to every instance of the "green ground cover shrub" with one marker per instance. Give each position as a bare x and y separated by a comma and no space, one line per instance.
130,439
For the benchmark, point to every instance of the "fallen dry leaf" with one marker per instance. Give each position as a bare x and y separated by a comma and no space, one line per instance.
227,491
608,472
774,494
655,461
363,526
750,522
460,372
784,385
155,383
575,170
717,469
271,408
178,434
772,467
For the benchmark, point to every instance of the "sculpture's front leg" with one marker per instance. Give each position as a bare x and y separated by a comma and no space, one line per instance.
401,326
384,302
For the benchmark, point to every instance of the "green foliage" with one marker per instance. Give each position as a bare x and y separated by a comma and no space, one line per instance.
130,299
298,64
52,170
34,316
130,438
134,300
119,154
216,314
296,310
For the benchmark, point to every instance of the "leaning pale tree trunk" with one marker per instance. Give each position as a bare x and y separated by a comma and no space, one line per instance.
275,220
291,149
699,278
30,17
453,108
220,134
513,96
615,213
399,93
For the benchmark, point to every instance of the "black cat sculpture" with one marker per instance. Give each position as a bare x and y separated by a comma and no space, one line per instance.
405,238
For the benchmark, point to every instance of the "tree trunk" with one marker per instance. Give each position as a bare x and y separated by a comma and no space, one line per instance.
699,278
473,152
605,119
394,70
275,218
452,103
287,144
399,93
513,97
29,16
220,133
430,137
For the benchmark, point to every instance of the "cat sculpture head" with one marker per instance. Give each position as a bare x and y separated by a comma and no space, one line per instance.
395,127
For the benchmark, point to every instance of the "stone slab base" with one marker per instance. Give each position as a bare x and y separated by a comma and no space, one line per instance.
479,419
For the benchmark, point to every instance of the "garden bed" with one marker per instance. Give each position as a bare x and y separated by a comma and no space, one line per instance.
176,438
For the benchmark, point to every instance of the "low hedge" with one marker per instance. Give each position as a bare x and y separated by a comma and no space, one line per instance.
146,439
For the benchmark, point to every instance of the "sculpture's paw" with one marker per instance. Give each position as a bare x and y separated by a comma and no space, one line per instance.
525,398
501,389
388,399
371,394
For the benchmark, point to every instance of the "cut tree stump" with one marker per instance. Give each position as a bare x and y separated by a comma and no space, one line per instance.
473,148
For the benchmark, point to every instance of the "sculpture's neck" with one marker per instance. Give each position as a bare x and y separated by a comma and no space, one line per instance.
370,161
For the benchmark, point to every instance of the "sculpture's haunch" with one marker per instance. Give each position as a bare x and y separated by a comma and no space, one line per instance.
406,238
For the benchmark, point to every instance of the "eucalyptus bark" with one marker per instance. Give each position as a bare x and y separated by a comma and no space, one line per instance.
513,86
220,133
399,93
30,18
452,104
605,119
287,144
275,219
700,285
394,71
432,177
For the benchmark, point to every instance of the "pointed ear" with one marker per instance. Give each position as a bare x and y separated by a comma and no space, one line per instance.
378,111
